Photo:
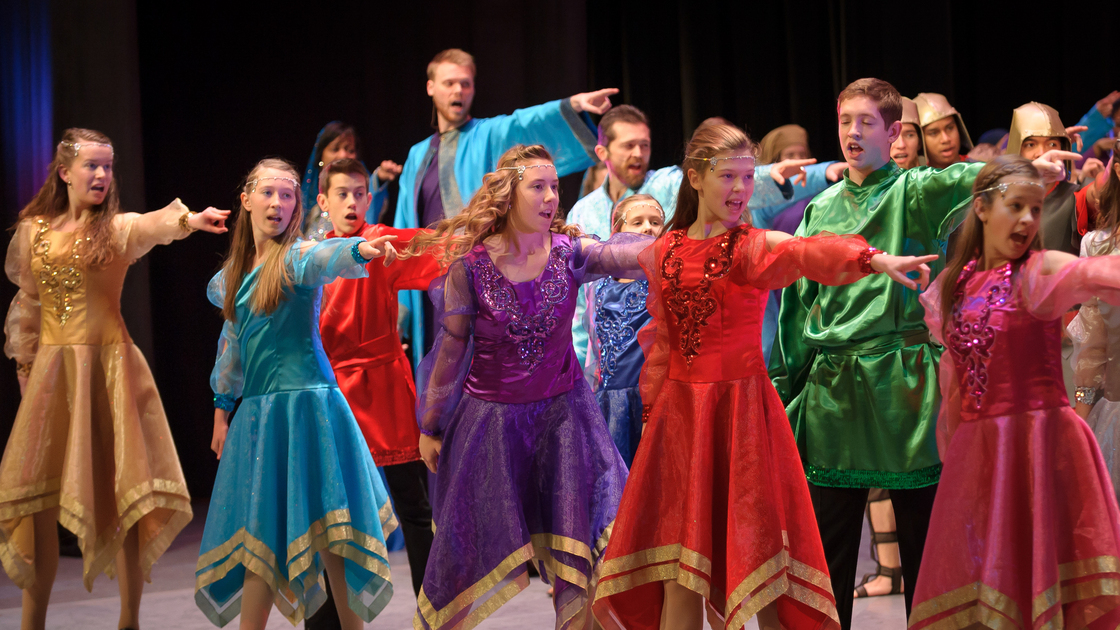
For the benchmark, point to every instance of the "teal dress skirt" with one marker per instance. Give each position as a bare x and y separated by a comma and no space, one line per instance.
295,477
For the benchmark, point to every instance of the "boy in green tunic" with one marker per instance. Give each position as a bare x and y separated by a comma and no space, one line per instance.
854,364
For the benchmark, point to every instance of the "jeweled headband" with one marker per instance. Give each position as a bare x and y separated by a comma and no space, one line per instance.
521,169
1005,185
622,217
77,146
253,182
714,160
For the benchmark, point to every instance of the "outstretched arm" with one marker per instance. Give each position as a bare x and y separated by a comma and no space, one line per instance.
142,232
617,257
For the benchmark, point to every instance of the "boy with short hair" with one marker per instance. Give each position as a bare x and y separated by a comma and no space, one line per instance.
358,324
854,364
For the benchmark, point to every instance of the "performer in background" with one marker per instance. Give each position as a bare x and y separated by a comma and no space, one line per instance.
618,312
448,167
338,140
716,507
90,447
297,492
1025,529
945,139
526,466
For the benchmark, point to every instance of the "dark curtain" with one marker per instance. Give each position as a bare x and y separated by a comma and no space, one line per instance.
763,64
222,90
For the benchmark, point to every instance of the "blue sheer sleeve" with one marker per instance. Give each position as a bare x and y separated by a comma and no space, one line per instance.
226,378
316,264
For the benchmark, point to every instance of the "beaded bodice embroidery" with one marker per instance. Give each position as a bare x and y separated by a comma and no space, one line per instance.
615,331
971,336
693,306
529,332
58,279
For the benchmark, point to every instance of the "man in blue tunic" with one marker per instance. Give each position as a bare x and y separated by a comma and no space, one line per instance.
444,170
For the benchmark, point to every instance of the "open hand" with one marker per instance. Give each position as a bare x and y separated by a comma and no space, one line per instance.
388,171
209,220
1074,134
785,169
378,247
1106,105
835,171
1091,168
896,267
597,102
1051,165
430,447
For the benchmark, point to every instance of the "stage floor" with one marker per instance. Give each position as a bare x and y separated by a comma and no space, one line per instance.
168,601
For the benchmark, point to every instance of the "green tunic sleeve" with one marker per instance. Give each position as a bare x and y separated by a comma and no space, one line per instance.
938,198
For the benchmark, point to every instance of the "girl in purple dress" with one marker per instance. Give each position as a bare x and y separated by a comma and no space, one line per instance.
526,466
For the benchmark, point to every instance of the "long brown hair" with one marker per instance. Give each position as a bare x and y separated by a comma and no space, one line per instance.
970,243
1108,203
274,279
487,212
53,201
707,141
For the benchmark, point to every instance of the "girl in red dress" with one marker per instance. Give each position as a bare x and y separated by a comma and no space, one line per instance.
717,507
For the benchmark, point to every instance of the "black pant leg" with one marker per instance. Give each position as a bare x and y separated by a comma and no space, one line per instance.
839,514
408,483
912,510
326,618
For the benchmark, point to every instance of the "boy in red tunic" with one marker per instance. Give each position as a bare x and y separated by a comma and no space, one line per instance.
358,323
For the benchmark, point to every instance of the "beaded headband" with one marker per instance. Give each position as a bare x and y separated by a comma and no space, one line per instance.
1005,185
253,182
714,160
521,169
77,146
622,218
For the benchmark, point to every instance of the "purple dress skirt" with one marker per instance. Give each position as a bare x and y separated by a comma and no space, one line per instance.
528,470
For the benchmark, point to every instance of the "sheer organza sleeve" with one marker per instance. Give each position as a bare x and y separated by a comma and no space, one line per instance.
227,376
439,382
314,264
1090,345
654,336
591,363
825,258
617,257
1049,295
139,233
21,326
949,416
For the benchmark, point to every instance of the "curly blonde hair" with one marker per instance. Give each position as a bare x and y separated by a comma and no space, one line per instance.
486,214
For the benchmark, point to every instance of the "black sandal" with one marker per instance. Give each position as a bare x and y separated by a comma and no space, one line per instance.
880,538
894,574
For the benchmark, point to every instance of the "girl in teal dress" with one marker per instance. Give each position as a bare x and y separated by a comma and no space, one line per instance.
297,492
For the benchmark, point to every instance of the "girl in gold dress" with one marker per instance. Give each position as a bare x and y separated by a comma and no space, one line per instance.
90,447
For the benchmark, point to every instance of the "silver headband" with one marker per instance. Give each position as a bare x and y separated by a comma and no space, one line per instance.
1002,188
77,146
714,160
253,182
622,218
521,169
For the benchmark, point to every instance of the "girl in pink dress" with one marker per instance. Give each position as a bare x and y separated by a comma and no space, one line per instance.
1025,530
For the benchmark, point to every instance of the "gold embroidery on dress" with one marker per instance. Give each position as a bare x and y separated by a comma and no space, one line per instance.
58,280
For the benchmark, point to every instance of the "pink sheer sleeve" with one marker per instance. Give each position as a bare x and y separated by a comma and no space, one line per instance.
654,336
440,378
21,326
949,416
1049,295
825,258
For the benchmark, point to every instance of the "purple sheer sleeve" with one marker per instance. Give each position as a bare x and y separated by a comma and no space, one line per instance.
439,383
617,257
1049,295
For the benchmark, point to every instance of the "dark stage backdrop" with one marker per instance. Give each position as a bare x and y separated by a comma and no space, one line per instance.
203,92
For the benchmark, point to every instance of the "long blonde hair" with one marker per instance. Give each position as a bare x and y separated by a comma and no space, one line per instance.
52,200
274,280
487,212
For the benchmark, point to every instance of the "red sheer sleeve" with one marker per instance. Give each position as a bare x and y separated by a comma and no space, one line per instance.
654,336
825,258
1050,295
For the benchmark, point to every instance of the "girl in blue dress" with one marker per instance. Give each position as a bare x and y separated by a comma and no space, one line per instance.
297,492
616,358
